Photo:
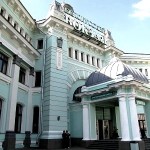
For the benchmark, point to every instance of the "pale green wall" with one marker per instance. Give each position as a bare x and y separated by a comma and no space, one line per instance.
76,121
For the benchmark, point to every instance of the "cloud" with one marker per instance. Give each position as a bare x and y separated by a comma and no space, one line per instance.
141,9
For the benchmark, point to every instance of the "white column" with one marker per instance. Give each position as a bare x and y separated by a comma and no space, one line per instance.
124,119
90,60
79,54
86,133
85,58
73,53
29,105
13,97
134,119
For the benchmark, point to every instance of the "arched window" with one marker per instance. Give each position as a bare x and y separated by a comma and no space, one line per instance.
77,91
18,119
35,125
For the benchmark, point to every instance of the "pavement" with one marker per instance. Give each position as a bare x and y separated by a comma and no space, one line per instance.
72,148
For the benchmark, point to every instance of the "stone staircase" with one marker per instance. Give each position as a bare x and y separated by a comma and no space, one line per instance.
147,143
105,145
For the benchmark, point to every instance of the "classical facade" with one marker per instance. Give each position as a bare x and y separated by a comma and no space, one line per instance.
65,73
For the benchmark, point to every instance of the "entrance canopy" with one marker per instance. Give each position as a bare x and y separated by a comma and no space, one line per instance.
113,70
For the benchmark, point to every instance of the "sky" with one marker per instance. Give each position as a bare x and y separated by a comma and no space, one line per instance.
127,20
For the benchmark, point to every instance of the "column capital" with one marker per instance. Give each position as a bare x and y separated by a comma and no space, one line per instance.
131,96
121,96
17,60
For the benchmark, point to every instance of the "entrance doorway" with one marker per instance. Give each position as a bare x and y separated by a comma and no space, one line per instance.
142,125
103,129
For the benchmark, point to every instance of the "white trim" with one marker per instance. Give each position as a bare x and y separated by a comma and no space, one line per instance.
17,52
5,78
23,87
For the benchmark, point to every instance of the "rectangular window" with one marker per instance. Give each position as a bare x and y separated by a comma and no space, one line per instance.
87,58
146,72
70,52
21,31
40,44
35,126
76,54
3,11
18,119
38,79
82,56
3,63
26,36
22,75
0,108
93,59
98,61
140,69
9,19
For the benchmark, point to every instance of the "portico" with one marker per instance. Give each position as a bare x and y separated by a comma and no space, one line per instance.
112,98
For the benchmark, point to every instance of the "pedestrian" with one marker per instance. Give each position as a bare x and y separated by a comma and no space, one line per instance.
67,139
64,141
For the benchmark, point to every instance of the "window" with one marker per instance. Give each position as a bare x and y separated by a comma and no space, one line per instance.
38,79
30,40
70,52
93,59
76,54
142,124
22,75
146,72
3,63
18,119
16,25
98,63
87,58
21,31
26,36
0,107
140,69
77,91
35,125
9,19
40,44
3,11
82,56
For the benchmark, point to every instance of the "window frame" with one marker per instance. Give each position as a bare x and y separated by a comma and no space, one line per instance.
37,83
70,52
18,118
82,56
35,123
76,54
4,61
22,75
39,45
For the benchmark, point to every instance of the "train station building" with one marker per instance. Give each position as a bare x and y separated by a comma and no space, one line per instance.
66,73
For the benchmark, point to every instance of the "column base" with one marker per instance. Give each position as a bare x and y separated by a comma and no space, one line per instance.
50,144
50,140
10,141
129,145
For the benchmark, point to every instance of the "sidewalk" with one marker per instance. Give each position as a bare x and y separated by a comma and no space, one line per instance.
72,148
